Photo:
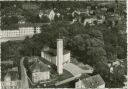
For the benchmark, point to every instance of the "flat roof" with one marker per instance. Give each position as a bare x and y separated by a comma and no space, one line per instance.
74,69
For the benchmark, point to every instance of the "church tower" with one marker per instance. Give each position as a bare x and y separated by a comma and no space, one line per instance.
60,56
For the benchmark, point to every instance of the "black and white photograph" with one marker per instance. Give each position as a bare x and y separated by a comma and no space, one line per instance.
63,44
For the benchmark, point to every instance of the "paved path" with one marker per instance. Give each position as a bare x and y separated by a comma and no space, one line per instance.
67,80
24,80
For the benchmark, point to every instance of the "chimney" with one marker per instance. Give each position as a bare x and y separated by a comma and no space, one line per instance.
60,56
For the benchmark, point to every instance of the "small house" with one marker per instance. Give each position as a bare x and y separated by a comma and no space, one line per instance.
95,81
10,80
40,72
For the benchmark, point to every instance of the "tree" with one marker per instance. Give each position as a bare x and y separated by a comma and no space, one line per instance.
117,78
10,51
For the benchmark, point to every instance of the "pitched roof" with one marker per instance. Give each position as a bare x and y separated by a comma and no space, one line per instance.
7,62
93,81
39,66
13,75
53,52
83,76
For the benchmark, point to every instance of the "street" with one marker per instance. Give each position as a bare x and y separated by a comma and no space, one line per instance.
24,80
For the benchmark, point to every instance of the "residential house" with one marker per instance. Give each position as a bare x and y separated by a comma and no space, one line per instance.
30,6
51,15
125,83
95,81
10,80
46,15
26,29
101,20
21,20
29,28
103,9
23,30
40,72
110,67
41,13
89,21
84,11
7,62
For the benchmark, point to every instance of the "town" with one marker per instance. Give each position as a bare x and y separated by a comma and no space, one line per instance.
63,44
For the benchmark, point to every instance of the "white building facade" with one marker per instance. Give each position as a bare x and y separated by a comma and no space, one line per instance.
40,76
53,59
22,31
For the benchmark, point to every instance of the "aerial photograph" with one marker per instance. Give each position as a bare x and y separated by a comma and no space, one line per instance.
63,44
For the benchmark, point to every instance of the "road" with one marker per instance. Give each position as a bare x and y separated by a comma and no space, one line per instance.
24,80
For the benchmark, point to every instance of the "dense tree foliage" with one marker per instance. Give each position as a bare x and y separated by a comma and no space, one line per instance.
89,44
11,51
94,45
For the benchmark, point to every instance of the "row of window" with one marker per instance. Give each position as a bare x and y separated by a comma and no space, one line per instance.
12,34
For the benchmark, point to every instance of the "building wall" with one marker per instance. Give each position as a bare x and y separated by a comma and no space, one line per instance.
10,85
22,31
101,86
53,59
39,76
46,56
79,84
9,33
38,30
26,31
66,58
